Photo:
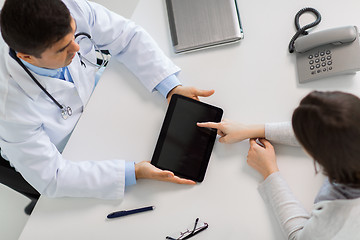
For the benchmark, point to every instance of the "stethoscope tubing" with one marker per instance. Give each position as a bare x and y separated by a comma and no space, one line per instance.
96,48
66,111
13,54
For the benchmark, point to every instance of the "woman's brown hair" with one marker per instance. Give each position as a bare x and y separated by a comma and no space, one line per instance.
327,125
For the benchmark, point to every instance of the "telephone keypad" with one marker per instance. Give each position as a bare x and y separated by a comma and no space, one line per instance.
320,61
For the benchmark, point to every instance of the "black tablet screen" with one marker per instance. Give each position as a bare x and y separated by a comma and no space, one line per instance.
183,147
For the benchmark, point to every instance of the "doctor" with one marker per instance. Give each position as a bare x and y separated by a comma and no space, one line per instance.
47,74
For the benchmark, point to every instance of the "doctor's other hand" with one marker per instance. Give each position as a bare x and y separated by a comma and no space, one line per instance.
145,170
232,132
190,92
262,158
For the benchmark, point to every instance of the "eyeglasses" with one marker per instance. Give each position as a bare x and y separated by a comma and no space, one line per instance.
86,44
198,227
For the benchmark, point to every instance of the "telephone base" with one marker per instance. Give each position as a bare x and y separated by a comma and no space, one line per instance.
329,60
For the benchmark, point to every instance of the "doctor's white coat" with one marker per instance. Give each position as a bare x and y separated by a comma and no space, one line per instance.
32,132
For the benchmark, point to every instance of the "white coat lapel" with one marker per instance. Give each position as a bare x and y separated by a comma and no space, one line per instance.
53,85
83,77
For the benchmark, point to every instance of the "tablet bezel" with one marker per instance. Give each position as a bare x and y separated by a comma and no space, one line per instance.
163,133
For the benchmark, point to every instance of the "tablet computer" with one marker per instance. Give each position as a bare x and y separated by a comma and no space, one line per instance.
183,147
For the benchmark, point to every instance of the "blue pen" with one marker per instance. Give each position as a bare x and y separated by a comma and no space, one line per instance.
129,212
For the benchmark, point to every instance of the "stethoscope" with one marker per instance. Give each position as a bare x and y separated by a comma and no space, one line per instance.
83,59
66,111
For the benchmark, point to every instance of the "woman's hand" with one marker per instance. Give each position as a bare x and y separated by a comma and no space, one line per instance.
262,158
232,132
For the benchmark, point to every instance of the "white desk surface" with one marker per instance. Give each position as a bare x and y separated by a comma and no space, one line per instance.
255,82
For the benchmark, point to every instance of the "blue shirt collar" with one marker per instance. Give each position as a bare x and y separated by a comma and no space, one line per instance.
54,73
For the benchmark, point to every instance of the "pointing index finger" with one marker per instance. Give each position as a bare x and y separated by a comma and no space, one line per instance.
209,125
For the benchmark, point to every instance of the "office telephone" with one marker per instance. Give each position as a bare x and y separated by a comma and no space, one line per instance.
325,53
328,53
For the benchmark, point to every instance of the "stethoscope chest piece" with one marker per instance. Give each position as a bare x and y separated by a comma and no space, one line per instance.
66,112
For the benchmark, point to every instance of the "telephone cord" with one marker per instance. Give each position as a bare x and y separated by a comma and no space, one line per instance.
302,30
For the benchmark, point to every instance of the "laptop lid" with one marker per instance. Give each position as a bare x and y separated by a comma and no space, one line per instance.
195,24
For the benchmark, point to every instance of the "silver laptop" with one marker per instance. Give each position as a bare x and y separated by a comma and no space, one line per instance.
196,24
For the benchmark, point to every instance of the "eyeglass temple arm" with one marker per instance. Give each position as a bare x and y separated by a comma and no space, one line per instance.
196,222
193,234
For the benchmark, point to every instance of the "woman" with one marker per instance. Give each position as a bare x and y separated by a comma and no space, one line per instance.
327,126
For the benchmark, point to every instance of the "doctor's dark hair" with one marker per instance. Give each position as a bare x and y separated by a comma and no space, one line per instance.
32,26
327,125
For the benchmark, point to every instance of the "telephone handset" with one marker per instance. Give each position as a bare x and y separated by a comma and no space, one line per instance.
327,53
335,36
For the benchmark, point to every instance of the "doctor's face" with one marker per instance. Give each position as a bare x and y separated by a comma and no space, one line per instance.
60,54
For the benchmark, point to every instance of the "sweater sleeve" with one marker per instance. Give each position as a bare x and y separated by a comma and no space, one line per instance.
281,132
290,214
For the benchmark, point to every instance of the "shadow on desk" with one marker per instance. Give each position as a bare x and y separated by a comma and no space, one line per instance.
337,82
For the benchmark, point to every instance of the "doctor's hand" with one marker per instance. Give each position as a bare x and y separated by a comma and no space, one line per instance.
190,92
146,170
232,132
262,158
